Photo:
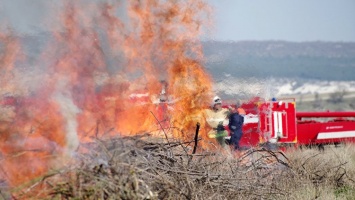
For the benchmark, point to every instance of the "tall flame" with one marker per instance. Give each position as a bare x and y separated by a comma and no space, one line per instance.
102,76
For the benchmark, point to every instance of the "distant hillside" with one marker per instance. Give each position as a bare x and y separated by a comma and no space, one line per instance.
329,61
261,59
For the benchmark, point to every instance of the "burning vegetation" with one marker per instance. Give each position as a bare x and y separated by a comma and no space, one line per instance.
109,111
89,71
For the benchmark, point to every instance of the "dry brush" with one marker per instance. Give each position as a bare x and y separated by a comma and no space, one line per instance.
142,167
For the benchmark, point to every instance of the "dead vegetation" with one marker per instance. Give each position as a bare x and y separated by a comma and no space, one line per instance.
140,168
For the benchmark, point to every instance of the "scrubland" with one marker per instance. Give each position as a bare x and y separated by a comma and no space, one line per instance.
142,167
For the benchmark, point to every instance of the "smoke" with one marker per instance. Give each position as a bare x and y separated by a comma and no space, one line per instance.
246,88
99,73
69,111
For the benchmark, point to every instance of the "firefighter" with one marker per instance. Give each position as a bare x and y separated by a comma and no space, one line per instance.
217,118
235,125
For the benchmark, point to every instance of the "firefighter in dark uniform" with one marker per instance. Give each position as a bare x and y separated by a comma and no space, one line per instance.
235,125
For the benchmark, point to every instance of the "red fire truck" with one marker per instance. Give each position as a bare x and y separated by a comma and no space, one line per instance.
278,122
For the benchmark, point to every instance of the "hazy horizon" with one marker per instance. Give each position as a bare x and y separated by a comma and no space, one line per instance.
285,20
234,20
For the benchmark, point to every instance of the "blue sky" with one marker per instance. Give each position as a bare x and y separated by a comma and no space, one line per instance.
291,20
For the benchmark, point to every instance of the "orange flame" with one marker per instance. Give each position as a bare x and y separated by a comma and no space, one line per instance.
103,77
8,54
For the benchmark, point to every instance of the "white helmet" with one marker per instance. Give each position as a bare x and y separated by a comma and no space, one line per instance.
217,100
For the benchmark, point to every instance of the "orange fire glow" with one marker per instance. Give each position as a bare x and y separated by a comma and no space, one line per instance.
103,76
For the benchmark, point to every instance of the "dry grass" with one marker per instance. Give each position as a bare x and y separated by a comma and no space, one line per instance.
323,175
139,168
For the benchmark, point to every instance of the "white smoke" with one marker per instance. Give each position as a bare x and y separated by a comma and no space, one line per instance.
69,112
245,88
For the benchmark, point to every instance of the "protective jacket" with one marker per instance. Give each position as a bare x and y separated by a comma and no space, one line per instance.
217,119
